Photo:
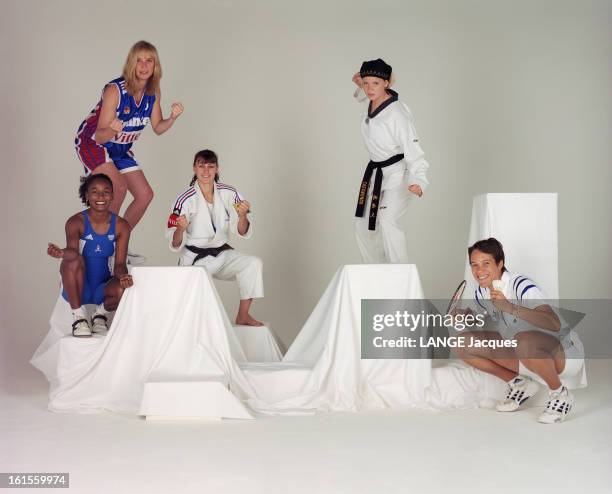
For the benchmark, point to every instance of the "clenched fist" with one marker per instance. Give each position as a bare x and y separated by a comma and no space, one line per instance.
54,251
242,208
175,110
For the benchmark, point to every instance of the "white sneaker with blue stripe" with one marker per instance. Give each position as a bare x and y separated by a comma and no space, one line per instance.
520,389
558,406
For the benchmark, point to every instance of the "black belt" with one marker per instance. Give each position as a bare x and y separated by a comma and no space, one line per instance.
365,184
202,253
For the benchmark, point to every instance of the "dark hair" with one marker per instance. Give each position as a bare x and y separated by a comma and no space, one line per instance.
88,180
490,246
207,156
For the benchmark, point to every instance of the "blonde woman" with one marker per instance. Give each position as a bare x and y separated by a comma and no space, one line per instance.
104,139
396,172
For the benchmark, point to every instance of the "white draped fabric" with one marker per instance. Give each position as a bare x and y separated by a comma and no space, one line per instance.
171,325
330,342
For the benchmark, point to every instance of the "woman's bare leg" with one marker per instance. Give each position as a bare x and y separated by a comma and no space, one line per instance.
112,295
142,193
243,317
500,362
73,274
543,355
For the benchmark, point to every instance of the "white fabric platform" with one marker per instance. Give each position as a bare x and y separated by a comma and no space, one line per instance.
258,343
171,327
330,343
526,225
171,323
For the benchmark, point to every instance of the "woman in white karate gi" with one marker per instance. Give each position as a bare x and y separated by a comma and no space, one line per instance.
397,167
199,228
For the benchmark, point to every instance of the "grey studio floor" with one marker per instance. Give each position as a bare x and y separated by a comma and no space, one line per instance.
385,451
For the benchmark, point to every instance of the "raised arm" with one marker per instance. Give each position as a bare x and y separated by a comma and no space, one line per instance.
178,222
73,233
405,134
108,123
242,209
177,237
541,316
159,124
359,95
240,214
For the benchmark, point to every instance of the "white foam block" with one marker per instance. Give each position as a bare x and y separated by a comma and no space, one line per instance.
526,225
207,398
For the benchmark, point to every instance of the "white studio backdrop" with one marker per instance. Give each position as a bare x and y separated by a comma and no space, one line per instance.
506,98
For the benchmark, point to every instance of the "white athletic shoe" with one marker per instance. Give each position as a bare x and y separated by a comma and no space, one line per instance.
134,259
558,406
520,389
99,323
81,328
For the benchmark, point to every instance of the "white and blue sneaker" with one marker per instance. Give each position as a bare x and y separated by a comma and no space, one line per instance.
520,389
558,406
81,328
99,324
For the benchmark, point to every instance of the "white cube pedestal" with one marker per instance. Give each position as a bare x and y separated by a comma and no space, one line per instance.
191,398
526,225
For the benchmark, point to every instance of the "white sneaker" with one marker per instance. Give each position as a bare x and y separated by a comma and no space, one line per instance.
81,328
520,389
99,324
558,406
134,259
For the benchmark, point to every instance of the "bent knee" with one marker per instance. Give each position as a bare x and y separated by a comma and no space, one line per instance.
72,264
144,195
149,195
256,263
120,187
531,343
114,289
118,290
462,351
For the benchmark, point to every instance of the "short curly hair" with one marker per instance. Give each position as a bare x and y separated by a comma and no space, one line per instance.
88,180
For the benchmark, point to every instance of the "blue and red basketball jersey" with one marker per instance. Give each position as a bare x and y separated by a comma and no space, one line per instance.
135,118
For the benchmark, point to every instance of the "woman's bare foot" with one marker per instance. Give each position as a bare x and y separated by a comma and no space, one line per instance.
244,318
247,320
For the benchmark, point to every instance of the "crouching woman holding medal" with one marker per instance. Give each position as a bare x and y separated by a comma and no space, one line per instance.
517,310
